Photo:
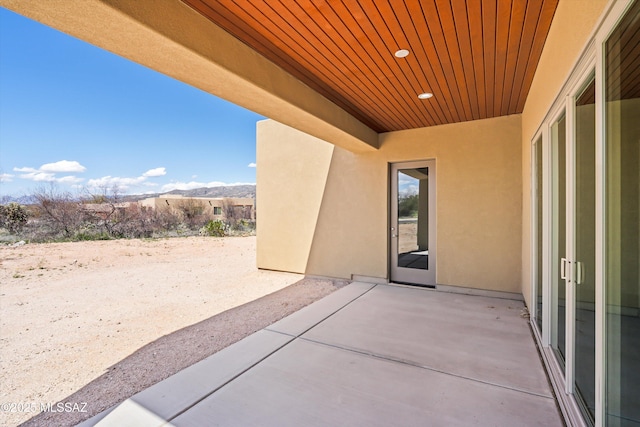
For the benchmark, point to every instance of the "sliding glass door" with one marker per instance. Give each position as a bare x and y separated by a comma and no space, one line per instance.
538,209
622,221
571,199
584,244
573,240
586,229
559,264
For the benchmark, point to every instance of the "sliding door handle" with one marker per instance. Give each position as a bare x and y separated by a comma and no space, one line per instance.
563,268
579,272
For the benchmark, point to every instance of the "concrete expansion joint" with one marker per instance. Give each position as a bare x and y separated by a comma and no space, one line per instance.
239,374
247,369
326,317
420,366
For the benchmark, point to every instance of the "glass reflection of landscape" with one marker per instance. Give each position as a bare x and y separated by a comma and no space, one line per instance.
413,218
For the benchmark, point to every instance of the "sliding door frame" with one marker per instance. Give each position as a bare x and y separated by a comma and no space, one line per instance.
591,62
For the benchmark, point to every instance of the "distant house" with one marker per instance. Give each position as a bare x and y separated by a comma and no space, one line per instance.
217,207
104,210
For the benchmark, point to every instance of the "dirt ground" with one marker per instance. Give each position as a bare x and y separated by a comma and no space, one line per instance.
407,237
92,323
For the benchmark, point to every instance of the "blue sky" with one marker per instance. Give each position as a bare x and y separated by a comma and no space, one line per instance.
81,117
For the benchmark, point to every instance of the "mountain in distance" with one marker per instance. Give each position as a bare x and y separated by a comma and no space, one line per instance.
23,200
231,191
226,191
237,191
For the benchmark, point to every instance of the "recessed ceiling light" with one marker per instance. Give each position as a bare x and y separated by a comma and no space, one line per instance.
425,95
402,53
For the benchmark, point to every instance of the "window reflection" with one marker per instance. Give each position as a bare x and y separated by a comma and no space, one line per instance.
585,248
538,224
622,286
413,218
559,230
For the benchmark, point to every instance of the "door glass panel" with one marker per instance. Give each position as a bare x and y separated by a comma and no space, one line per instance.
585,255
559,182
538,233
413,218
622,216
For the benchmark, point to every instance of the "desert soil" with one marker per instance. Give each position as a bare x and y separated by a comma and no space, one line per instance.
92,323
407,237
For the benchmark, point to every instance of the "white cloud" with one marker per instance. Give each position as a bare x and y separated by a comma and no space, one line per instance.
188,185
408,190
125,184
38,176
69,179
251,165
404,179
121,183
193,184
25,169
63,166
47,172
155,172
6,177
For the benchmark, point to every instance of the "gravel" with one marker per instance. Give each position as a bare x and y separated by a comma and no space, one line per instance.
96,322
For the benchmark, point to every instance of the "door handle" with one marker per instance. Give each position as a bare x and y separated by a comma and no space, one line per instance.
563,268
579,272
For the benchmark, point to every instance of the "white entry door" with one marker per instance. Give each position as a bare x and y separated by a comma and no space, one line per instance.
413,219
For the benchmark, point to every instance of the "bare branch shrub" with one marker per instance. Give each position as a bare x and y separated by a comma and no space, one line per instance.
162,219
193,213
107,211
131,221
237,217
105,214
231,213
58,211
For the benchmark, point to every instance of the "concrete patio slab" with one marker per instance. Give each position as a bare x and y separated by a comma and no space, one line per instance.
311,384
303,320
475,337
166,399
365,355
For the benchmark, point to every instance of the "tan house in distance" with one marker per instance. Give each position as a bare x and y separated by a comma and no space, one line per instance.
243,206
515,121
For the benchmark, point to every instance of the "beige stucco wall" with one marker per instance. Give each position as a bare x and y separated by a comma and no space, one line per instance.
478,202
350,235
478,198
573,23
291,174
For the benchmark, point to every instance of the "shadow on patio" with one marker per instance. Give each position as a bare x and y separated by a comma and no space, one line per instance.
364,355
167,355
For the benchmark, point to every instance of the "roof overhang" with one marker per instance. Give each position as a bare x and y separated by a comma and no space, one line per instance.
327,68
170,37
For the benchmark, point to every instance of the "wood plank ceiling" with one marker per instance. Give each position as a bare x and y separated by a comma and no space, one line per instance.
477,57
623,58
